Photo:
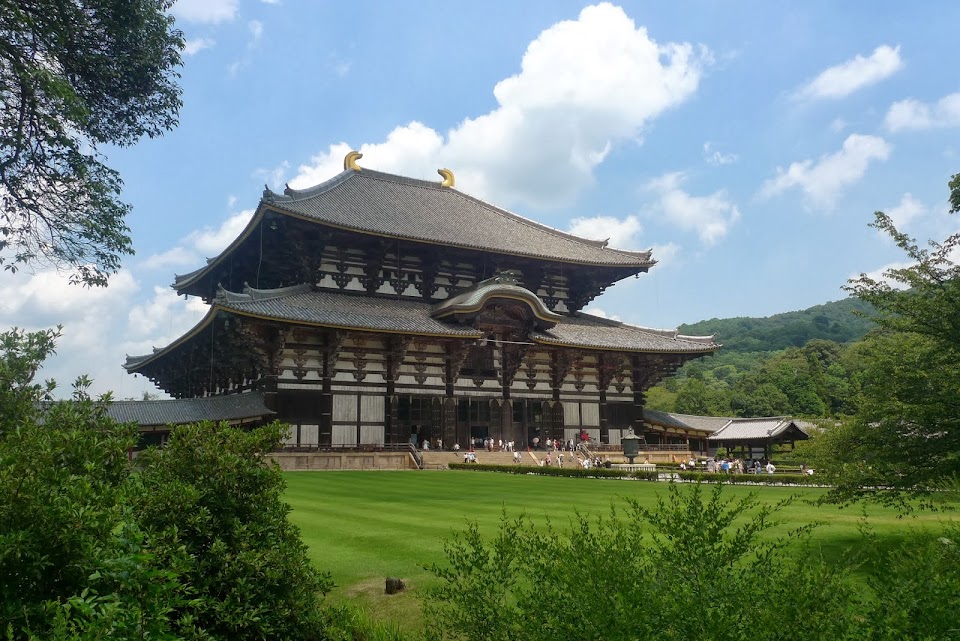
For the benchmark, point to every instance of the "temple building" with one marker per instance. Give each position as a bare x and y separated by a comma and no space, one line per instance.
374,309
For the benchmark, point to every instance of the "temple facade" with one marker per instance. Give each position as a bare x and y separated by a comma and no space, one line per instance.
375,309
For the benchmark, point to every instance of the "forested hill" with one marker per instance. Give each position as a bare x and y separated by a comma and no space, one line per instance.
836,321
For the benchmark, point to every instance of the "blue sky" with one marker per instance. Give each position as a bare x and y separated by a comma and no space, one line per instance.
747,143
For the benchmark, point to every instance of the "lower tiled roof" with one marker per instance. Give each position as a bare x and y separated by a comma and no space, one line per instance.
585,330
232,407
755,429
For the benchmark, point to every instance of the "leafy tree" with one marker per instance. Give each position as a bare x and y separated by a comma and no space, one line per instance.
75,76
192,543
906,436
212,507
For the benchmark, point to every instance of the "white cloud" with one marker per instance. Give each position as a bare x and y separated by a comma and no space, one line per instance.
838,125
273,2
205,11
665,254
622,233
599,311
906,212
709,216
256,31
273,177
856,73
175,257
201,243
211,242
716,157
197,44
880,274
584,85
913,114
822,182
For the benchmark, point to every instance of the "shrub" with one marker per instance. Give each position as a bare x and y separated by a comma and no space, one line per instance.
694,567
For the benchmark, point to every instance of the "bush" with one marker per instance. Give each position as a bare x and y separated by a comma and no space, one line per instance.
695,567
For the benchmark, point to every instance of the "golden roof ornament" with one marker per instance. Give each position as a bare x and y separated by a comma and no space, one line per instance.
350,160
448,179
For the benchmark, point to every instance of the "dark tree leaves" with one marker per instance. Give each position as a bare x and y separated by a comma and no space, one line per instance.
74,76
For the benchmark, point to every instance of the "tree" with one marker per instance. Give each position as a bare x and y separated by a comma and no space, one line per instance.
193,541
75,76
906,435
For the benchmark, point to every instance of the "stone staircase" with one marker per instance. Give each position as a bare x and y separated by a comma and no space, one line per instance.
434,460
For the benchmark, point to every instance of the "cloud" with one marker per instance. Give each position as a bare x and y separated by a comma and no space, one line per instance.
598,311
709,216
913,114
854,74
196,45
838,125
584,85
906,212
622,233
822,182
201,243
716,157
256,31
205,11
273,177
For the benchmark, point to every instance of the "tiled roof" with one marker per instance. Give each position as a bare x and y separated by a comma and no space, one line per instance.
751,429
585,330
381,203
232,407
352,311
664,419
302,304
703,423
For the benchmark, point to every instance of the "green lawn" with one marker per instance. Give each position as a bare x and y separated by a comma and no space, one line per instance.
365,526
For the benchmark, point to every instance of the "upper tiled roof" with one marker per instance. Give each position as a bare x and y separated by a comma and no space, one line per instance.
233,407
380,203
585,330
749,429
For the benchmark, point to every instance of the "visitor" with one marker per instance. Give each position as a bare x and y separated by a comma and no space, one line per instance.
500,444
607,463
516,458
560,459
770,467
466,457
456,447
549,444
439,444
549,460
536,442
683,466
426,445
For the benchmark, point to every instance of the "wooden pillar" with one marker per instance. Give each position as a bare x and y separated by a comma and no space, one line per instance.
561,361
396,350
331,353
608,365
638,381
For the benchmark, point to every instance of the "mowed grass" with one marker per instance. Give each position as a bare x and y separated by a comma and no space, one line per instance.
364,526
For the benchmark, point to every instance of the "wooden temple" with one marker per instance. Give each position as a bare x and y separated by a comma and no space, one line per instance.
375,309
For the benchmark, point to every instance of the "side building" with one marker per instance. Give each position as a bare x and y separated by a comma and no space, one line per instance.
375,309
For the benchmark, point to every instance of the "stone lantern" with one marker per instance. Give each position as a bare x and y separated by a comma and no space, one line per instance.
631,445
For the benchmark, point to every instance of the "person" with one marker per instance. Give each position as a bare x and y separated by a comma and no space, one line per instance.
516,457
549,444
426,445
770,467
683,466
607,463
466,457
536,442
456,447
440,444
548,460
560,459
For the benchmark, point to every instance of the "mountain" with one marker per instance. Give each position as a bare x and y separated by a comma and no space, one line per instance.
838,321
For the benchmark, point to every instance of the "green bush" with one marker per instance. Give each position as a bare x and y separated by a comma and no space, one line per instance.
694,567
